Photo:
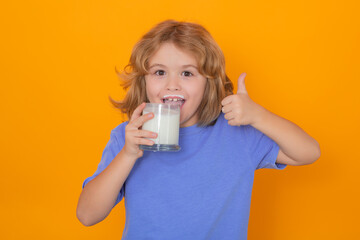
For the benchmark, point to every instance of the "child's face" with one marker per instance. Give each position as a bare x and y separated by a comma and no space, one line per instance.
173,77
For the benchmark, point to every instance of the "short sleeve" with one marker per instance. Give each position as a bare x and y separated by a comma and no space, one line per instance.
263,150
112,148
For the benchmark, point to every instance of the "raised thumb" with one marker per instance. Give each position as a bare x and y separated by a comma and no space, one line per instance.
241,84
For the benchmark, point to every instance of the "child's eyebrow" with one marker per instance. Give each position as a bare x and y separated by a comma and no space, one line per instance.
156,65
163,66
190,65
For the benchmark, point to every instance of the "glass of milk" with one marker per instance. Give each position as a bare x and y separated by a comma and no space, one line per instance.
166,124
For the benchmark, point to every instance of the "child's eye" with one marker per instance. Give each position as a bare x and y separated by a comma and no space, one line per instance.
160,72
187,74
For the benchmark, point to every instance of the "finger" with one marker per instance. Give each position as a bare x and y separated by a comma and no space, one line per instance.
227,108
226,100
145,134
137,112
232,122
241,84
229,116
144,141
138,122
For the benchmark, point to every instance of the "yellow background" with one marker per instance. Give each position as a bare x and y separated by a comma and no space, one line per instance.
58,62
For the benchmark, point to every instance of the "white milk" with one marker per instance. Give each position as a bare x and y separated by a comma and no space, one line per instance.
166,125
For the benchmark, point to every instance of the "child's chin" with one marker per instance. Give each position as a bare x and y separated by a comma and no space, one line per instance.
182,122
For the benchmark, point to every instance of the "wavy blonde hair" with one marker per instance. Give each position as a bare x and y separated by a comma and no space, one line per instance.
190,37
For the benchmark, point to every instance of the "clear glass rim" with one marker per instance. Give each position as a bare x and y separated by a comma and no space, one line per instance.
163,105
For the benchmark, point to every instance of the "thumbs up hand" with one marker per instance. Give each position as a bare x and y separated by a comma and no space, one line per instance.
239,108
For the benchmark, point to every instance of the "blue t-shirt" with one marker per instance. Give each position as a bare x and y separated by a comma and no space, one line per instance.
201,192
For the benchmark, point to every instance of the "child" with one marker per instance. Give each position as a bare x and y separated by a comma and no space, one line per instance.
204,190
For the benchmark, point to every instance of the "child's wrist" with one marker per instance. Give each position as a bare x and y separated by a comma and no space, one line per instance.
260,116
128,156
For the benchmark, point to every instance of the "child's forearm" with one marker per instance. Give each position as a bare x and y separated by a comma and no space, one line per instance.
99,195
292,140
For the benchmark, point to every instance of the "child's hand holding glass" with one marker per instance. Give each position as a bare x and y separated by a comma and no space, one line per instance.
135,136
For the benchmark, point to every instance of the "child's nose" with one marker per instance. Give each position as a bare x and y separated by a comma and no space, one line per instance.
173,83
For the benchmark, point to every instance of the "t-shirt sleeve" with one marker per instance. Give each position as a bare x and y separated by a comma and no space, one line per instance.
263,150
112,148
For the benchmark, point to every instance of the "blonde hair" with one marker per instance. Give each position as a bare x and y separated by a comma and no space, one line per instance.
190,37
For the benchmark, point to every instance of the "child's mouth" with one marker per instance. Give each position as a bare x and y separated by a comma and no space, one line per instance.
174,100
